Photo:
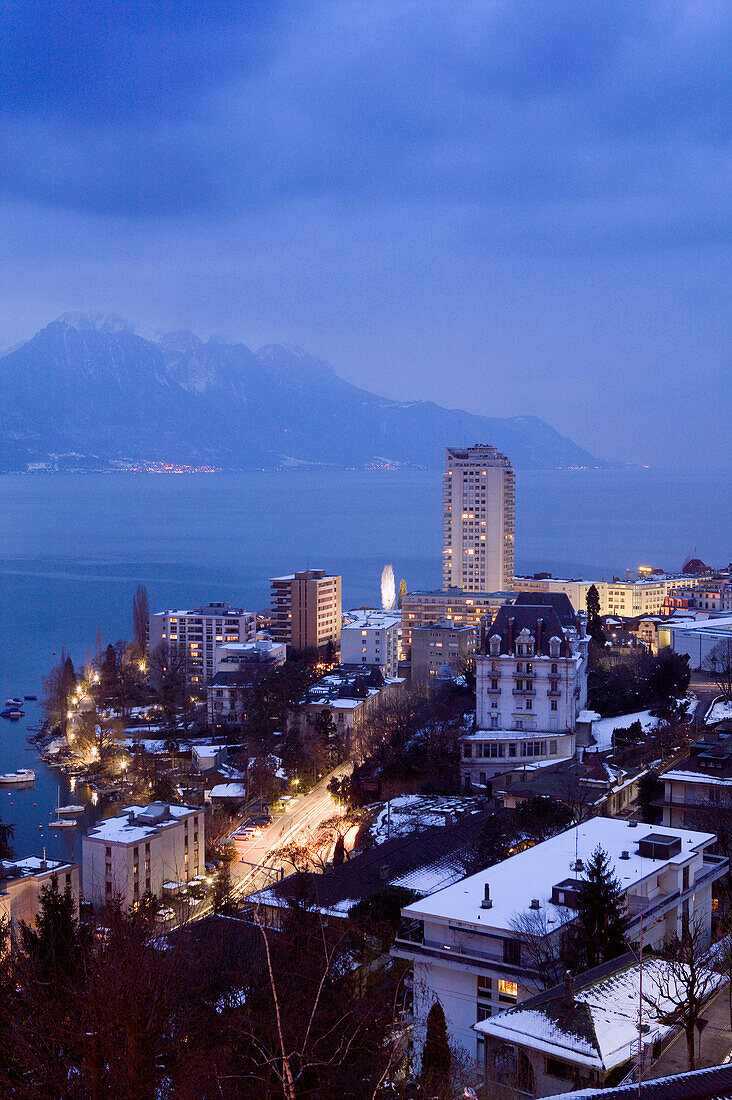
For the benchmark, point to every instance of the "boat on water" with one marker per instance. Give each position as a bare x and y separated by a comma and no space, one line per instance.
30,698
23,775
69,811
13,713
14,702
63,823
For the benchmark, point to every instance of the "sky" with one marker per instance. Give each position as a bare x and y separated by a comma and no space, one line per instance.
509,207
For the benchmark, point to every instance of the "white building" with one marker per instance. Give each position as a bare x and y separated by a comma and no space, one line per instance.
463,941
192,637
21,882
372,637
306,609
349,696
453,604
134,853
478,520
698,639
627,598
238,667
699,787
530,688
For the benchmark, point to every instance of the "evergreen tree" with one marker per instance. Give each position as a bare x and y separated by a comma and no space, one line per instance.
222,900
55,944
109,673
339,851
594,626
602,919
436,1057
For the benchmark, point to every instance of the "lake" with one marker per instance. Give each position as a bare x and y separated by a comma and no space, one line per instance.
74,548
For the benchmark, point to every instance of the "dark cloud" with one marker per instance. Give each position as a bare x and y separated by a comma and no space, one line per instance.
402,165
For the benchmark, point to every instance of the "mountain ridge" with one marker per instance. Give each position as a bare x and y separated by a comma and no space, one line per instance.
89,386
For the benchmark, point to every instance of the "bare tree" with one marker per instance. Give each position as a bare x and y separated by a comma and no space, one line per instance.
542,946
718,663
684,984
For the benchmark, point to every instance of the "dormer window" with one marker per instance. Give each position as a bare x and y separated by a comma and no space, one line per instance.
555,645
495,644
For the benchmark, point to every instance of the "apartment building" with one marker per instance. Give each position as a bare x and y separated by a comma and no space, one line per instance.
306,609
349,694
629,599
21,882
478,520
468,952
699,787
191,637
134,853
238,667
531,685
372,637
453,604
697,639
439,645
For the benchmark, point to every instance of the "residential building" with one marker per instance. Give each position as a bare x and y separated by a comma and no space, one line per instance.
349,694
190,638
531,685
21,882
136,852
586,1031
239,666
644,595
372,637
306,609
439,645
698,789
714,1083
478,520
590,786
454,604
468,942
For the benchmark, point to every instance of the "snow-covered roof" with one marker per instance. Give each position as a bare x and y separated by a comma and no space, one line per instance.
530,874
601,1030
229,790
33,865
135,823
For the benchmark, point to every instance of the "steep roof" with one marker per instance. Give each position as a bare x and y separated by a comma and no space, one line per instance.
560,601
714,1083
511,620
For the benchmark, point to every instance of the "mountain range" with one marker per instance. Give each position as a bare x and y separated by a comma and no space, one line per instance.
88,393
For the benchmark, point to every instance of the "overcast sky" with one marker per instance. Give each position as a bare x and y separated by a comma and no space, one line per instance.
509,207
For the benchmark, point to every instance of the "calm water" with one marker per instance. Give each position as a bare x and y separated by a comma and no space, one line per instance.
74,548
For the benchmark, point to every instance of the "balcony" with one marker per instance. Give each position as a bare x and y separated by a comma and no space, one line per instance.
528,692
554,693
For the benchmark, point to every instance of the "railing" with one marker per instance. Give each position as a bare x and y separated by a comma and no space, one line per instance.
474,956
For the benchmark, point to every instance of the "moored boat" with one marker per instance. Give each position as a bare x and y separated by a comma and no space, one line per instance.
63,823
14,702
30,698
13,713
23,775
71,810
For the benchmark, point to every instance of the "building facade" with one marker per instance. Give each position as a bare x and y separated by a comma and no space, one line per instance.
478,520
239,666
191,638
349,694
134,853
454,604
468,943
531,685
21,882
372,637
441,644
306,609
627,598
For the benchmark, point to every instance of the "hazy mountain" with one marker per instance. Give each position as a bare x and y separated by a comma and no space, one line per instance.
89,386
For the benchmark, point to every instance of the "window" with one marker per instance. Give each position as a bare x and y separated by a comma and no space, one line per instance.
686,878
529,704
554,670
467,750
562,1070
511,955
554,704
507,991
108,889
552,748
108,853
108,869
494,685
485,985
484,1012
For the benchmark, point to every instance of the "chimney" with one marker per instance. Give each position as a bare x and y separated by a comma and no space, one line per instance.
534,904
539,631
384,872
510,634
486,902
568,999
625,855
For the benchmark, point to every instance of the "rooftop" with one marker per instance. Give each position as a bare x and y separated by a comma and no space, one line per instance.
714,1083
531,874
135,823
31,865
599,1028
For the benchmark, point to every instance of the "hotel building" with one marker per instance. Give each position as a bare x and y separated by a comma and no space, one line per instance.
192,637
478,520
306,609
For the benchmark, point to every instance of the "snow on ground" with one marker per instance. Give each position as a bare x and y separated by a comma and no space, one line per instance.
411,812
602,731
719,712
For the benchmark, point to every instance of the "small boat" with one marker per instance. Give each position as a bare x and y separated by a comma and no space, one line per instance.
30,698
63,823
13,713
14,702
70,810
23,775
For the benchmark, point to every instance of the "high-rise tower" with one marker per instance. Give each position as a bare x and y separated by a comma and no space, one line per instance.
478,520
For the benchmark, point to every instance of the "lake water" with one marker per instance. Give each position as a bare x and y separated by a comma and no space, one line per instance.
74,548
